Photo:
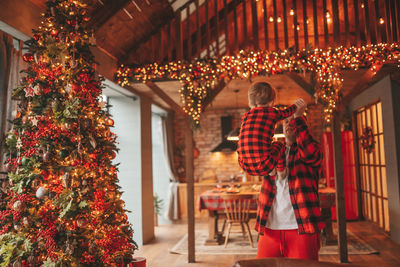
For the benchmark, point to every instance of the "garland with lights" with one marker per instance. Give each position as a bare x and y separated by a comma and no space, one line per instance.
63,205
198,77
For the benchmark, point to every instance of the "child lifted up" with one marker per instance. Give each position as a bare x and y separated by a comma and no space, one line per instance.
257,154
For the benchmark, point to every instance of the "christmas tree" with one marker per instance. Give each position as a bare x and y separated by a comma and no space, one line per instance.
62,205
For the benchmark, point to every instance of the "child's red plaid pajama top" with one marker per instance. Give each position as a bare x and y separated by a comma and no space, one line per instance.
257,154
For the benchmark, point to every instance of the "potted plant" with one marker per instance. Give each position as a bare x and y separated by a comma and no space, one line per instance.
158,203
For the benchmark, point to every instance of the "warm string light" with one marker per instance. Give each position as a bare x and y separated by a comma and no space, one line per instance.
198,78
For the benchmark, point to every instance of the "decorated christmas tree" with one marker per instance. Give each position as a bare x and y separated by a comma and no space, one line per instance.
62,205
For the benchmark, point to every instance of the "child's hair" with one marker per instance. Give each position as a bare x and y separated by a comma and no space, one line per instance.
261,93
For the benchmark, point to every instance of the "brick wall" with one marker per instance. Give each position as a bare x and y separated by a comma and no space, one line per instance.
221,165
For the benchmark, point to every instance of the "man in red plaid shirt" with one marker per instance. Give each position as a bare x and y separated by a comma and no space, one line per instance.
288,216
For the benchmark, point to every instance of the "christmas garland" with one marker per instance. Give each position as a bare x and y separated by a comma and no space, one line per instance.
199,77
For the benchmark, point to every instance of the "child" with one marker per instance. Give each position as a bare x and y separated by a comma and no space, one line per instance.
257,154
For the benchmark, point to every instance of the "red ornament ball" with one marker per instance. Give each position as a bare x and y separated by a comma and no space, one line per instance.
93,155
54,33
110,122
28,57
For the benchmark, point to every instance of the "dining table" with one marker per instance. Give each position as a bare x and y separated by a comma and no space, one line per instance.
212,201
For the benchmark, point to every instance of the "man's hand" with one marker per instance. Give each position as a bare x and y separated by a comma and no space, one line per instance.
300,107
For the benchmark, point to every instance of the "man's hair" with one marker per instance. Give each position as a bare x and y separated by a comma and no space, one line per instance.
260,93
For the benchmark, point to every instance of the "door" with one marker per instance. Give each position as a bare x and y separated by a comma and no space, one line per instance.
372,166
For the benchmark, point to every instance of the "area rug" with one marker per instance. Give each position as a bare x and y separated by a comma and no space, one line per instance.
239,244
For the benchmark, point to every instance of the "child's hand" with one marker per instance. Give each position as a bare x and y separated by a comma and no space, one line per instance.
300,107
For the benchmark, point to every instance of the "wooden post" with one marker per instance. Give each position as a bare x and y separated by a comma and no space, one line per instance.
207,29
395,25
346,23
235,24
315,18
388,22
244,23
336,23
295,23
265,25
228,48
285,24
356,163
340,204
216,27
305,24
147,170
326,29
190,189
162,44
198,33
275,26
189,34
255,24
378,27
367,26
169,41
357,22
179,39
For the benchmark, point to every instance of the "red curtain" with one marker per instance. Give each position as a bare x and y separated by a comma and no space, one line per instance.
349,171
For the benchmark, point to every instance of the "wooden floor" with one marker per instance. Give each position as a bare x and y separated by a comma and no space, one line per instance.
157,252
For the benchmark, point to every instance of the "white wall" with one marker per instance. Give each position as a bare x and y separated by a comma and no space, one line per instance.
384,91
126,115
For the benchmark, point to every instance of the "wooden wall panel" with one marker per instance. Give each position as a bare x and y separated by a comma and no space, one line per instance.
315,20
285,23
254,24
216,26
275,25
265,16
336,23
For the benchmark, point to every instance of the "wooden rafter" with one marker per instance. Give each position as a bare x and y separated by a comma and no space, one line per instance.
158,91
138,43
231,6
211,96
307,87
106,12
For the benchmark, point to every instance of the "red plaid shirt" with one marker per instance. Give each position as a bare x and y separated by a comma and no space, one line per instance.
305,158
257,130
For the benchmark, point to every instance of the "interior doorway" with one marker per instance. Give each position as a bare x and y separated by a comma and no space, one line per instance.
372,164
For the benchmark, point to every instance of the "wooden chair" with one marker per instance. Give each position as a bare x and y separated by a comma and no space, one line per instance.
237,212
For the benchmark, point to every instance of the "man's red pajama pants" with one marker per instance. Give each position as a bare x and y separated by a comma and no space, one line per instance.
289,244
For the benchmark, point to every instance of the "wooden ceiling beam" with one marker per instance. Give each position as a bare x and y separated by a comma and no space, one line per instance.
155,31
307,87
158,91
229,8
213,93
367,80
100,16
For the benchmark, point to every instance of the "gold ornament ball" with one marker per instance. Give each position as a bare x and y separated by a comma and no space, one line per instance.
18,206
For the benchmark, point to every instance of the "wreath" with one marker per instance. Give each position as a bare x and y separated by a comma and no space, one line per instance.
367,139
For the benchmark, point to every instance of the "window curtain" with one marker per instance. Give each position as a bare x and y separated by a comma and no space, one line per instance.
171,212
6,56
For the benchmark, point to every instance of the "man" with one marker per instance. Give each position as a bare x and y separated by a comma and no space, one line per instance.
288,216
